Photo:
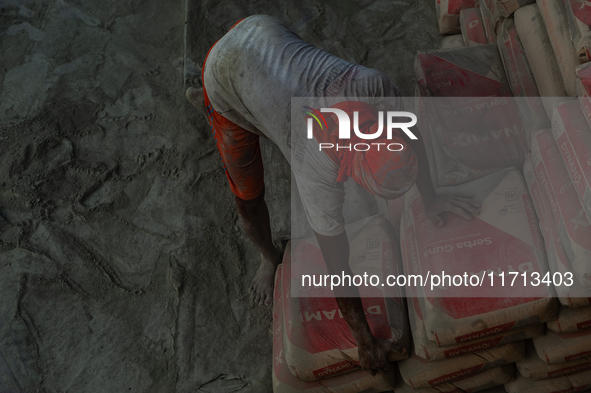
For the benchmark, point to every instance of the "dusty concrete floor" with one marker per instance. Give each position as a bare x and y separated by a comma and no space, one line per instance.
122,264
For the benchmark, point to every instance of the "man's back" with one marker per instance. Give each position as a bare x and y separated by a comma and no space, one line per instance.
257,67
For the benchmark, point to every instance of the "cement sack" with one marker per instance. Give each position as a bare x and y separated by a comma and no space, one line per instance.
574,230
452,41
285,382
426,134
573,383
475,124
576,295
533,367
540,54
506,8
583,76
571,320
420,373
579,20
395,207
556,348
491,19
503,238
431,352
319,342
472,27
556,22
581,381
573,137
488,381
448,14
521,79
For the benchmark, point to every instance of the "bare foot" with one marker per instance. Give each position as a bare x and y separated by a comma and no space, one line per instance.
195,97
261,289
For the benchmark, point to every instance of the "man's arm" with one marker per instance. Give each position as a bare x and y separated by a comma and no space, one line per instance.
373,352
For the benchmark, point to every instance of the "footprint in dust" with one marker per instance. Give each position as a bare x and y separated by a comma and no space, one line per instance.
28,155
152,72
175,174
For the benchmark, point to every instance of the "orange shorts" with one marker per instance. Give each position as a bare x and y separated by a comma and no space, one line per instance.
240,151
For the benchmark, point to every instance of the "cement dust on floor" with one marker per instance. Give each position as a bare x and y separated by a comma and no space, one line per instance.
122,263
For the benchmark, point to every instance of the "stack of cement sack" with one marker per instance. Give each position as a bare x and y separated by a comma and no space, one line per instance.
561,359
465,343
473,124
556,179
540,46
480,111
313,348
555,37
555,363
550,37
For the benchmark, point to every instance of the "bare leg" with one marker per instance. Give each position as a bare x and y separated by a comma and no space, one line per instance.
254,217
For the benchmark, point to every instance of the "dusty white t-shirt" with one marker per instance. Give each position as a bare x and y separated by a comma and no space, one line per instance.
251,75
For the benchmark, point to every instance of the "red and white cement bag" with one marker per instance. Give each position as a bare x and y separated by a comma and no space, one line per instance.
574,230
472,27
556,22
575,295
506,8
573,383
583,80
573,137
426,135
448,14
452,41
581,381
431,352
579,20
487,381
395,208
521,79
504,237
491,19
583,74
540,54
319,343
571,320
533,367
556,348
420,373
285,382
474,122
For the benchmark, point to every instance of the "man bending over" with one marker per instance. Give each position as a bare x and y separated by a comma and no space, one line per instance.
249,78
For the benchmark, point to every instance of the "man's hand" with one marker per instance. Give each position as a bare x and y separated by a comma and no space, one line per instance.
373,352
459,203
373,355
